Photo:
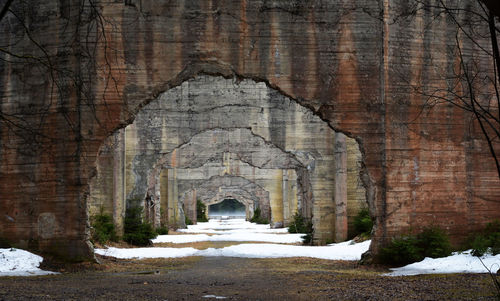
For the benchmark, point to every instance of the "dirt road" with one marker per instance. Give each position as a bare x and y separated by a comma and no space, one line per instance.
239,279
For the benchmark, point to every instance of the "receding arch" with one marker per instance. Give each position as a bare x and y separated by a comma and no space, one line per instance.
244,145
218,188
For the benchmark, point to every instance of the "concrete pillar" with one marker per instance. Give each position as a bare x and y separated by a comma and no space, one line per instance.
286,203
155,198
293,194
340,187
164,197
356,193
173,196
249,210
119,196
193,212
277,199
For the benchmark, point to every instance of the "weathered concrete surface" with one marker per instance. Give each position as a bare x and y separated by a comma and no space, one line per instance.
342,59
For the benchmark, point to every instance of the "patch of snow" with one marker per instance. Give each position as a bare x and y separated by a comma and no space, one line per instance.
456,263
214,296
239,230
16,262
180,239
341,251
233,236
147,252
225,225
226,231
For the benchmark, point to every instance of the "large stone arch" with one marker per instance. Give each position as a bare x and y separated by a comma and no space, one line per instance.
213,103
218,188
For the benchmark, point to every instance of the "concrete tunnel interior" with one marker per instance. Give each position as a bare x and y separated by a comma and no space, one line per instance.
214,138
229,207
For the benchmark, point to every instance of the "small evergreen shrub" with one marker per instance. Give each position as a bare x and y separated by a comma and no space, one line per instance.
307,238
4,243
401,251
432,242
299,225
488,241
257,218
480,245
363,223
136,232
103,229
162,230
201,212
187,220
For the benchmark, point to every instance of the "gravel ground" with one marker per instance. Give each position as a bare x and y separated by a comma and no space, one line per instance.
239,279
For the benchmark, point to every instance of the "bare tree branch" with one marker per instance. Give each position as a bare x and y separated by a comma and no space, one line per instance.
5,9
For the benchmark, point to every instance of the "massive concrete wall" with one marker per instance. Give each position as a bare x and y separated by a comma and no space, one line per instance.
347,61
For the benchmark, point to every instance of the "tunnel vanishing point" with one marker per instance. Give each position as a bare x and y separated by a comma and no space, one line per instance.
318,107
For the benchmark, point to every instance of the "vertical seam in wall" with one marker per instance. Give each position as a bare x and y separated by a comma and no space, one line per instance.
384,80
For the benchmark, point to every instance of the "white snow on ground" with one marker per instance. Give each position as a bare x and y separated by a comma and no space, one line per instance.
242,236
240,230
230,226
340,251
15,262
243,231
456,263
214,296
147,252
231,230
226,231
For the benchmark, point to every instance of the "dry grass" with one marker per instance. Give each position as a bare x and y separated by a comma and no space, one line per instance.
314,265
110,264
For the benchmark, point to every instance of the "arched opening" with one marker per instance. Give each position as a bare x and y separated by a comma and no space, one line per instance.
213,126
227,208
217,188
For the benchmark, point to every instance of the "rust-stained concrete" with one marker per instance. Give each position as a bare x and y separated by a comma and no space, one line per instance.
349,62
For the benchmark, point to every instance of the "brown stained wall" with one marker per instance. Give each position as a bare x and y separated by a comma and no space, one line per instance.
424,169
435,175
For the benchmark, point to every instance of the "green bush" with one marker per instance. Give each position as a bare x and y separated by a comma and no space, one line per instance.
201,212
136,232
363,223
307,238
488,241
432,242
300,225
103,229
161,230
257,218
401,251
480,245
4,243
495,243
